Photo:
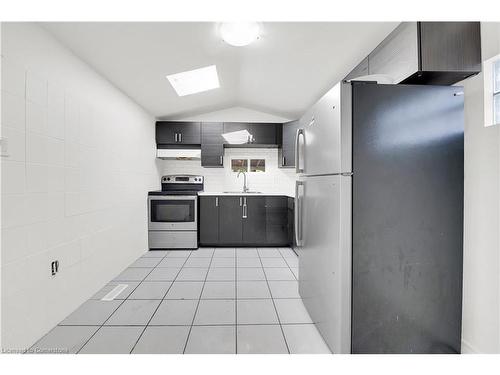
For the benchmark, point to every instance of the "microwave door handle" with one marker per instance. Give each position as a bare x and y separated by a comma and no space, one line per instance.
300,132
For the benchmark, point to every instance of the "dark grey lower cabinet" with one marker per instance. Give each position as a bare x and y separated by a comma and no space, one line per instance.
254,220
230,220
277,221
209,220
245,220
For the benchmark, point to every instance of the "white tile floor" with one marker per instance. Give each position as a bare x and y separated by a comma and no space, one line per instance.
221,300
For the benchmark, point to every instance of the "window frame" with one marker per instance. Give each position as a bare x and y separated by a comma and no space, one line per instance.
496,94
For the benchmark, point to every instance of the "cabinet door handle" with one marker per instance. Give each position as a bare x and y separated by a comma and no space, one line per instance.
216,201
180,137
241,201
175,137
283,161
300,132
221,160
298,214
245,209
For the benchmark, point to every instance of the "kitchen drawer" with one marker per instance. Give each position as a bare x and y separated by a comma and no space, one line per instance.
175,239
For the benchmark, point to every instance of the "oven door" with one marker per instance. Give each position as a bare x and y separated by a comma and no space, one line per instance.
176,212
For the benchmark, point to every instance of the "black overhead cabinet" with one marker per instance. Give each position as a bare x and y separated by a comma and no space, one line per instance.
177,133
209,137
436,53
287,149
244,220
212,144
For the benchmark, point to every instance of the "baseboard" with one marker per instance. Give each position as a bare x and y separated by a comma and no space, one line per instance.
467,348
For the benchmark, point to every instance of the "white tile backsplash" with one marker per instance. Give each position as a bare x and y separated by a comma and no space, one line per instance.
274,179
36,89
13,78
36,118
13,110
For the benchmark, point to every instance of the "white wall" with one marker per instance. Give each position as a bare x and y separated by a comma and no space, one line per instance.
274,179
0,198
481,294
82,157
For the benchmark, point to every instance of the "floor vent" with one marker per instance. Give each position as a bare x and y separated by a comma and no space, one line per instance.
115,292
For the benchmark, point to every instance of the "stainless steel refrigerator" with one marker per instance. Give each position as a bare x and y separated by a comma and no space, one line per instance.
379,217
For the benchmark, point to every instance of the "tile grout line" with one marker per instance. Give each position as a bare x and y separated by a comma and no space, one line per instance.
290,268
236,300
272,299
157,307
103,323
198,304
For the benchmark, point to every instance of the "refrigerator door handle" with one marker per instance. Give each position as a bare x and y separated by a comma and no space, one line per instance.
298,214
297,157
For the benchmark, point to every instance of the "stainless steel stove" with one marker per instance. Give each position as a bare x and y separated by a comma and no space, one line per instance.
173,213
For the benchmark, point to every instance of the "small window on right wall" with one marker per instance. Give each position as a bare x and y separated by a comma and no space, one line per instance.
496,91
491,74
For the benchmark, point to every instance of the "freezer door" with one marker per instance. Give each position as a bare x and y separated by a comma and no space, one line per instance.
322,138
408,155
325,257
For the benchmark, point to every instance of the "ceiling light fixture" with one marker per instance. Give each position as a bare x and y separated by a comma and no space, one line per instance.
194,81
239,34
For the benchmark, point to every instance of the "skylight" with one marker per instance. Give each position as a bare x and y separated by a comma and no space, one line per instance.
194,81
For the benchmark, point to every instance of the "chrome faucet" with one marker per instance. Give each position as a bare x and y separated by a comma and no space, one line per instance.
245,187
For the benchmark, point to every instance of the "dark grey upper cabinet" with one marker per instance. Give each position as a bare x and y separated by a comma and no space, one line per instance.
178,133
209,220
261,134
277,221
211,133
230,220
212,149
450,46
212,156
287,150
254,220
440,53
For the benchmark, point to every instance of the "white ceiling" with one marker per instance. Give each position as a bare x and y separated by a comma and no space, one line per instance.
282,73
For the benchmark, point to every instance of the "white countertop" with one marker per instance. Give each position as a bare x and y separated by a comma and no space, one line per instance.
261,194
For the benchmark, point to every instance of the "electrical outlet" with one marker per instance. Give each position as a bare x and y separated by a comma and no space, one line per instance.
54,267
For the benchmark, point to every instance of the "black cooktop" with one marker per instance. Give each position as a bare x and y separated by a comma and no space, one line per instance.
173,192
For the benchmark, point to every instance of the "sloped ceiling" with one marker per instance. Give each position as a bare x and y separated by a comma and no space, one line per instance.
286,70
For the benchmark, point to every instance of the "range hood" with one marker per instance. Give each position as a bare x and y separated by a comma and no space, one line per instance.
178,153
